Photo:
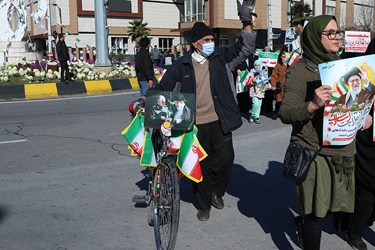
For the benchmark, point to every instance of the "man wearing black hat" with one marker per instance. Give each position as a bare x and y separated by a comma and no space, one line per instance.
355,94
202,71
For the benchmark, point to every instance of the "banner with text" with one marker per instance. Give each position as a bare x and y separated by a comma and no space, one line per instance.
357,41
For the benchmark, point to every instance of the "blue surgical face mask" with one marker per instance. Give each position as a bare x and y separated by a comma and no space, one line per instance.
208,49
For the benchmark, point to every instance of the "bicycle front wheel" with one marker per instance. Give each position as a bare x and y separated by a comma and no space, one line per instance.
167,205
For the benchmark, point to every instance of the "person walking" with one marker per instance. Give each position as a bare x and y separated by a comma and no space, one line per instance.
155,55
329,185
63,57
144,67
202,71
278,78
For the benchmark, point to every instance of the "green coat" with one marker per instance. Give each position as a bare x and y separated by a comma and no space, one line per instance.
329,185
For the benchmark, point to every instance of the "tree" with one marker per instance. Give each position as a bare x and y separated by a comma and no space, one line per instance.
299,13
137,30
364,17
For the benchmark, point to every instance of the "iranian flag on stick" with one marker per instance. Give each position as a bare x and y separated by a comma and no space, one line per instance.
243,80
134,134
190,155
148,156
294,58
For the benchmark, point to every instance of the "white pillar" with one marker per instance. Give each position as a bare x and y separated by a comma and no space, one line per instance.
49,28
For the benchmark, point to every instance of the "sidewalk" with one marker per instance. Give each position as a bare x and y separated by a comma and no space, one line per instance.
56,89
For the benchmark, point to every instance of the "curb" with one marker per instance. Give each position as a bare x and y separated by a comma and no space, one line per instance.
56,89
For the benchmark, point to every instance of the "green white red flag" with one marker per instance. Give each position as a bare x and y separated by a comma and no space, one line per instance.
243,81
134,134
190,155
294,58
186,145
148,155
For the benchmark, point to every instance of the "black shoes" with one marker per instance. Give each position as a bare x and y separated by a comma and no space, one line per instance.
203,215
217,201
357,244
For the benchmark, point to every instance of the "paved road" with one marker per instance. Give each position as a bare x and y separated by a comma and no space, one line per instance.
66,181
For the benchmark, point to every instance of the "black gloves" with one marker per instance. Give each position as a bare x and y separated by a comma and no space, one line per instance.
245,10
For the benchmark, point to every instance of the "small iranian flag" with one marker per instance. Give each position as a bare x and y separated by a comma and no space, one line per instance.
134,134
190,155
78,40
68,33
294,58
88,46
174,143
148,155
243,81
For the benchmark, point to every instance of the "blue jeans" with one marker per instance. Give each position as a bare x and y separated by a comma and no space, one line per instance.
143,86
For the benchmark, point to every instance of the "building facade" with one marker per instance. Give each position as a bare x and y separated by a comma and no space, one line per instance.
170,21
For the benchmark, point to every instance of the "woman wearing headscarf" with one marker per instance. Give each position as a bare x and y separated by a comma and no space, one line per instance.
329,185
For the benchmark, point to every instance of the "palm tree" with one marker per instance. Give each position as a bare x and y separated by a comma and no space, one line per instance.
299,13
137,30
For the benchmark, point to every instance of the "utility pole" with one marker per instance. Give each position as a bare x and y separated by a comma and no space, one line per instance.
101,34
50,54
269,27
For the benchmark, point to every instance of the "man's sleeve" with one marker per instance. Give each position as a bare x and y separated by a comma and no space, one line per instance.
241,50
149,67
170,78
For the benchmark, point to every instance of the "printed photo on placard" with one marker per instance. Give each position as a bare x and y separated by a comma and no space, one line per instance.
176,107
352,81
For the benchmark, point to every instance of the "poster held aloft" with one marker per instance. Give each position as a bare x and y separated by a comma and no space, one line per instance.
353,91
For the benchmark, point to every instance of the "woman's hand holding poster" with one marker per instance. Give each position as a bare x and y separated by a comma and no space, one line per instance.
352,81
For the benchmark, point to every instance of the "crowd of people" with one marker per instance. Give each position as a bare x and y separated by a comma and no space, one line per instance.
340,179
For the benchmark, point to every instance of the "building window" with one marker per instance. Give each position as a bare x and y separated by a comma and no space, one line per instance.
165,44
195,10
330,10
119,45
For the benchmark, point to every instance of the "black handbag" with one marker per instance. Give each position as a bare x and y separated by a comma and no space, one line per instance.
297,162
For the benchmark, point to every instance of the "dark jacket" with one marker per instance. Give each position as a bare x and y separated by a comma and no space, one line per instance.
225,105
62,51
144,66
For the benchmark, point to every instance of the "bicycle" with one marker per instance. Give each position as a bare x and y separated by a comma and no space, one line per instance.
163,194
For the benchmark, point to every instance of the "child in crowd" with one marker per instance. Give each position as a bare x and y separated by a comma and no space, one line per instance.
259,84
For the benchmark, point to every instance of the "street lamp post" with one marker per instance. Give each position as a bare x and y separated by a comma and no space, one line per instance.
61,28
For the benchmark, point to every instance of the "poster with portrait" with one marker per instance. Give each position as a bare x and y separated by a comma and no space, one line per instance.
289,35
175,107
352,81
